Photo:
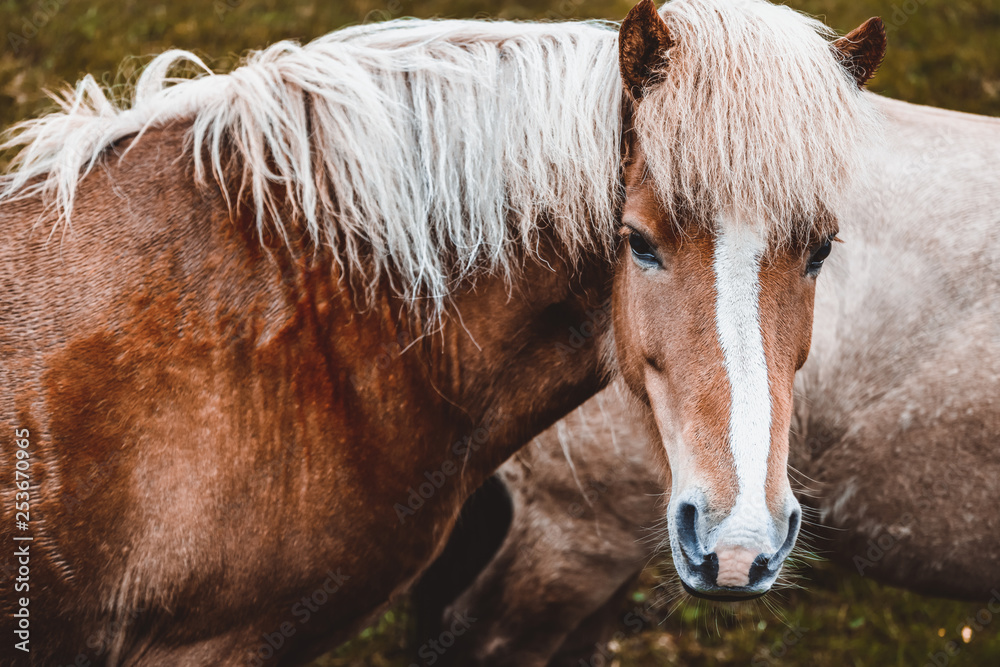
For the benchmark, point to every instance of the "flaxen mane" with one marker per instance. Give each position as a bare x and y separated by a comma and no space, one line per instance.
429,150
752,117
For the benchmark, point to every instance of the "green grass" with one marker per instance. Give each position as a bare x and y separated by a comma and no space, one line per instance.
836,619
943,53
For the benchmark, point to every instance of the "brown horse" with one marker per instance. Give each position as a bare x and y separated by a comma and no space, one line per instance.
894,435
264,332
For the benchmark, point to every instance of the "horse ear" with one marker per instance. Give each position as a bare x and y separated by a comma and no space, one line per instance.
643,41
861,50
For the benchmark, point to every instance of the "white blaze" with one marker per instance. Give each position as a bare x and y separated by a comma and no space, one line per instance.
738,253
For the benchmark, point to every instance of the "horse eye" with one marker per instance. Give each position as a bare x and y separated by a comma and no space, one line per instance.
642,250
819,254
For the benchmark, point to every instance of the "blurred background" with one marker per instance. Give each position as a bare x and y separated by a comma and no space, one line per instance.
942,53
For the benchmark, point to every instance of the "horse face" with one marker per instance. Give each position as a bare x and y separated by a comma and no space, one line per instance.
713,298
710,328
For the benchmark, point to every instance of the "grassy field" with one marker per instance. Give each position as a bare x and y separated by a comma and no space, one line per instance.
837,619
940,53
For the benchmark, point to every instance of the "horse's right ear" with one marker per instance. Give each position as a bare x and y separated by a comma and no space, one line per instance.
643,41
861,51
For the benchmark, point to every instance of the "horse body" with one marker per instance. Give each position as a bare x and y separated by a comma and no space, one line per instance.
219,434
218,454
264,376
899,415
894,429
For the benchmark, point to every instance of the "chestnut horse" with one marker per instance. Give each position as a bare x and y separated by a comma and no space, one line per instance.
896,450
264,332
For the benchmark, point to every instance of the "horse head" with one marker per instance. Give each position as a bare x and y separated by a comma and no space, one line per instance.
743,124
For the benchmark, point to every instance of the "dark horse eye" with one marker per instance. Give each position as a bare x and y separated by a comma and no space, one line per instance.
642,250
819,254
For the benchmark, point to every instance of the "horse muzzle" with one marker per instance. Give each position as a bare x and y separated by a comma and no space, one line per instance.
737,558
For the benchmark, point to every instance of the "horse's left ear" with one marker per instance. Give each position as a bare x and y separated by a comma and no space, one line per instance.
643,41
861,50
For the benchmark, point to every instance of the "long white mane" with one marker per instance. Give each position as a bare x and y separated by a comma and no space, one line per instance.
433,143
428,150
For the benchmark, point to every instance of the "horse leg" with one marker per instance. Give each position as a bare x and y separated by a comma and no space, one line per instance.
591,637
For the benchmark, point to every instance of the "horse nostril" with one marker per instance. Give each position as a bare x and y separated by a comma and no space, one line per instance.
710,567
759,569
687,532
794,520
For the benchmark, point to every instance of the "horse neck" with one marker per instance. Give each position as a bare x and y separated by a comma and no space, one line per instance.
506,359
528,353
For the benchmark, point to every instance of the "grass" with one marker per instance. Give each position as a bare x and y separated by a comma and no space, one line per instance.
942,53
837,619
